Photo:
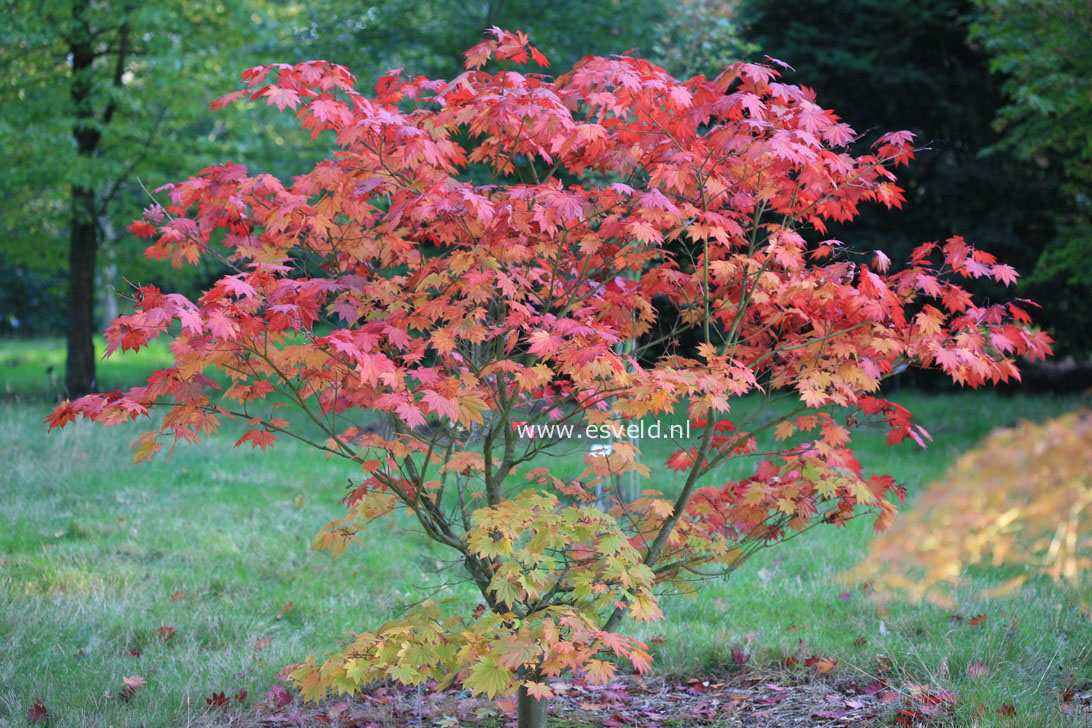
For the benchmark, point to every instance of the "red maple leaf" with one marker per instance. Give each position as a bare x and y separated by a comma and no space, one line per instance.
37,712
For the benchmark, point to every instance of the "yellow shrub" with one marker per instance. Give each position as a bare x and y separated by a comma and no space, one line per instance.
1021,497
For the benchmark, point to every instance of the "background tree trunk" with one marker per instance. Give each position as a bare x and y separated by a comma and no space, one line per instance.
531,710
80,362
83,245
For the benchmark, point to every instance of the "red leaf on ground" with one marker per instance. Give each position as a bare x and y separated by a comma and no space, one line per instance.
38,712
129,688
908,717
830,714
821,664
874,688
279,696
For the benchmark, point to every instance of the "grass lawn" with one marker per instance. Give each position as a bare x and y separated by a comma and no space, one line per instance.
97,555
34,368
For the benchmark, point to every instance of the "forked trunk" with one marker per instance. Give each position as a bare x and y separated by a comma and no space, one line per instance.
531,710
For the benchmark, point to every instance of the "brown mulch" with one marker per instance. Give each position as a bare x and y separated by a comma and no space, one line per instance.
746,698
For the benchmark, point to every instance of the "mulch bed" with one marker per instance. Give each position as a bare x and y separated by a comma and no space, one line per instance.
749,698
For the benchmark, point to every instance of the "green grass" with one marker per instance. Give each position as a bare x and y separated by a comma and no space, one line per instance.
34,368
92,549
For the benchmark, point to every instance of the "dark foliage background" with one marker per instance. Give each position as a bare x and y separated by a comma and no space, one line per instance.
998,90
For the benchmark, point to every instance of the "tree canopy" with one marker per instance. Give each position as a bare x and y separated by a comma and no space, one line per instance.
387,280
914,63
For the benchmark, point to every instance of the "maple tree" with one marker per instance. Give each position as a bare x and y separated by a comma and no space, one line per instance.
1021,498
388,280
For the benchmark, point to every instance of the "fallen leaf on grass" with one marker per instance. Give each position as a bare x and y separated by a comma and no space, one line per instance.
829,714
285,610
165,633
38,712
978,670
218,700
1006,711
336,710
821,664
904,717
279,696
129,687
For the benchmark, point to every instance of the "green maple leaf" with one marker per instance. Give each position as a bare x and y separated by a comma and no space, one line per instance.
508,592
490,677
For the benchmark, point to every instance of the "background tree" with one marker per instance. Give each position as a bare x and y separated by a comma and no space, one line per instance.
909,63
96,97
429,36
383,280
700,36
1043,52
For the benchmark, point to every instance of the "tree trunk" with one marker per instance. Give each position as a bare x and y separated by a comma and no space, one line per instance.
531,710
80,362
